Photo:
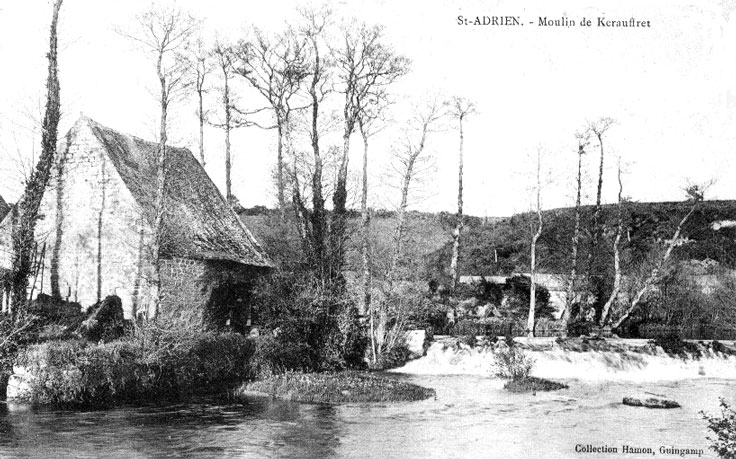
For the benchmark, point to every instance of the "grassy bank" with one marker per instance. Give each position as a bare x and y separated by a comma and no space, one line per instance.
344,387
532,384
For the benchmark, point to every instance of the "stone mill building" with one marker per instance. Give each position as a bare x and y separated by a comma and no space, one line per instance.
96,227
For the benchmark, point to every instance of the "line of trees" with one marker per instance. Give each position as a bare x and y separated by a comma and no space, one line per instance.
293,80
595,290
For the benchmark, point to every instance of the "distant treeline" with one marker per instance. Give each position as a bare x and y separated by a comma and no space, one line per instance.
502,246
496,245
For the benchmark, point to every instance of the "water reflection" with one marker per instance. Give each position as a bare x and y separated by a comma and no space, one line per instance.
258,428
471,417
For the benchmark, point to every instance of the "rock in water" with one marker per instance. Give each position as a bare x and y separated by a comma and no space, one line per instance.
651,402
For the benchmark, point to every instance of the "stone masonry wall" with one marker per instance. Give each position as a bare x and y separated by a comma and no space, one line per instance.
184,291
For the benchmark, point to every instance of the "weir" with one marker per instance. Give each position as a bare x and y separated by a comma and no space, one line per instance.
613,360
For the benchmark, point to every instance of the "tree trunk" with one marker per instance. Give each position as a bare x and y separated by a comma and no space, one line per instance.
339,202
596,234
280,166
365,225
160,187
100,227
200,113
318,217
365,243
400,217
571,288
616,254
533,259
459,224
228,126
23,233
655,272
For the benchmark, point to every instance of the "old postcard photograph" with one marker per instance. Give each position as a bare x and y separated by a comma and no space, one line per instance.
340,229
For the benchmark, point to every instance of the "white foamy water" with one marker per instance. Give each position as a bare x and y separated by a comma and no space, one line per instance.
558,363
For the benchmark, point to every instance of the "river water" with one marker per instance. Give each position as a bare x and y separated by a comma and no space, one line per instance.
472,416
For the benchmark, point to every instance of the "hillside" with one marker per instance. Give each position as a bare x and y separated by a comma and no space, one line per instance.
425,234
503,246
500,245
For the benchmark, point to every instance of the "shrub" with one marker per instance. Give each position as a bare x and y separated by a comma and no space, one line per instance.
395,357
673,345
151,363
518,291
724,428
312,327
14,335
580,328
512,363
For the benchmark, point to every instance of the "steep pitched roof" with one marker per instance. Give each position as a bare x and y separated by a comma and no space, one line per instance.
198,221
4,208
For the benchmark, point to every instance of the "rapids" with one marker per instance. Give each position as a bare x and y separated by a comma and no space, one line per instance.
622,360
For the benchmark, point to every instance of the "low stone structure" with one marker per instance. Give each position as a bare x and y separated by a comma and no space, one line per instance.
96,229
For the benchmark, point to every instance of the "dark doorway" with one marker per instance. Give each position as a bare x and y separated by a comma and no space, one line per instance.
229,307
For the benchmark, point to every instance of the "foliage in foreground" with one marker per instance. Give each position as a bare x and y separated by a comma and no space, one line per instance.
724,428
344,387
149,364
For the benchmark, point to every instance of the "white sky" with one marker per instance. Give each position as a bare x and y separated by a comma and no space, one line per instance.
671,88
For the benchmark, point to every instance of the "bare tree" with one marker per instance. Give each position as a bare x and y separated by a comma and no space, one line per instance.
407,159
599,129
459,109
533,250
224,58
313,222
201,68
26,211
165,34
366,121
583,141
695,197
616,252
276,68
365,66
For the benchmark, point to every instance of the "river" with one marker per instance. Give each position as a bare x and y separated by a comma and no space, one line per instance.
472,416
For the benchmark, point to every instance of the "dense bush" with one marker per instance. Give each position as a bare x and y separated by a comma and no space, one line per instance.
675,346
724,428
518,291
311,327
151,363
394,357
